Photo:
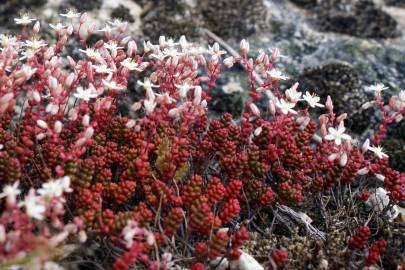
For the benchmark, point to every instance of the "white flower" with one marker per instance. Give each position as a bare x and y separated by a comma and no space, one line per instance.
167,43
276,75
285,106
292,95
245,262
113,85
112,46
338,134
313,100
146,84
275,54
85,95
55,188
184,43
71,14
24,20
35,44
116,23
377,88
8,41
106,29
215,51
27,54
57,27
11,192
171,52
378,200
183,89
131,64
33,205
378,151
149,105
103,69
92,53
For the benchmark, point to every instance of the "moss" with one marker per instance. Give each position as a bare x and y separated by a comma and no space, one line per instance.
233,18
123,13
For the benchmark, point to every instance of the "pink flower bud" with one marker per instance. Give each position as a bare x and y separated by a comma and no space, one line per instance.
323,130
36,27
130,124
123,27
89,132
367,105
69,30
332,157
343,160
91,28
125,40
40,136
272,108
83,18
69,80
86,120
365,146
52,82
341,117
229,61
50,52
363,171
42,124
329,104
132,48
392,102
82,236
244,47
258,131
36,96
197,95
6,98
254,109
72,62
58,127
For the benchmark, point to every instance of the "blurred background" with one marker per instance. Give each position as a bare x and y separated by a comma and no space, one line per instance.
334,47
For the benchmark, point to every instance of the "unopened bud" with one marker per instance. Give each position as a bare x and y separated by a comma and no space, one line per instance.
197,95
130,124
229,61
58,127
69,80
36,27
332,157
329,104
255,110
42,124
244,47
363,171
367,105
83,18
341,117
89,132
86,120
343,160
380,176
365,146
6,98
258,131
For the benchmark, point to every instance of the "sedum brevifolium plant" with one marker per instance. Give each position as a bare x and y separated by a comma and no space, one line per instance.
169,186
